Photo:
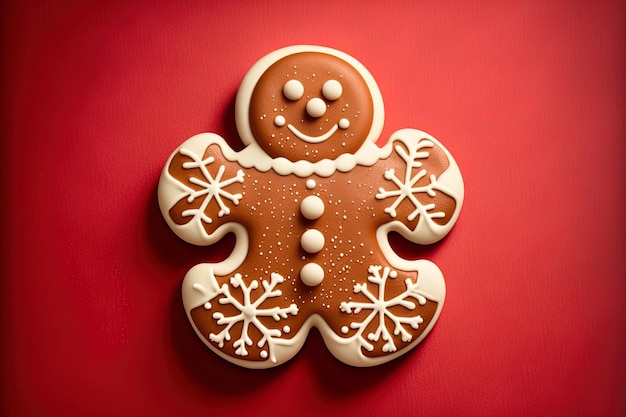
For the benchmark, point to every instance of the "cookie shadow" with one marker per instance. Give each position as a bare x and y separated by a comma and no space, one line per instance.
229,127
332,374
411,251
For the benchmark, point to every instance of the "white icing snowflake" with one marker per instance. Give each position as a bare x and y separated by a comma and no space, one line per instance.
249,313
212,188
379,307
406,187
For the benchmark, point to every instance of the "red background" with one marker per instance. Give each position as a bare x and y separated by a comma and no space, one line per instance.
529,97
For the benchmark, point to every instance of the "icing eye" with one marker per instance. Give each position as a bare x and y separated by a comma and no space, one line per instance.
332,90
293,90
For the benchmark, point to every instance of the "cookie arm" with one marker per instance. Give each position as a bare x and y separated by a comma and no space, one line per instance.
422,188
198,188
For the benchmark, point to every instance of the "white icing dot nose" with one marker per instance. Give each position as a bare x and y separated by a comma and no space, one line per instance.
344,123
316,107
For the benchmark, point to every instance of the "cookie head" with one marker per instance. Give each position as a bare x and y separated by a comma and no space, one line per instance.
309,105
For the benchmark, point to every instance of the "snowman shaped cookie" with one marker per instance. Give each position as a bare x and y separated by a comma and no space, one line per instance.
311,201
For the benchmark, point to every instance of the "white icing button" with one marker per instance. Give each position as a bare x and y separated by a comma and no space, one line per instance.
312,207
293,90
332,90
312,274
316,107
310,183
344,124
280,121
312,241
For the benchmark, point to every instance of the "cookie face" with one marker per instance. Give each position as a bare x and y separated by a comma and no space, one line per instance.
311,230
312,106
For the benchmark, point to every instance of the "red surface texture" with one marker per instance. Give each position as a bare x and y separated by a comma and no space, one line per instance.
529,97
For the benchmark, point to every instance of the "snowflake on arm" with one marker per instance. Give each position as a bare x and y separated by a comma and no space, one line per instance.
379,307
407,187
249,314
212,188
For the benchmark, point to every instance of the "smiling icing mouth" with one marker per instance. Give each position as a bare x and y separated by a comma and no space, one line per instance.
343,124
312,139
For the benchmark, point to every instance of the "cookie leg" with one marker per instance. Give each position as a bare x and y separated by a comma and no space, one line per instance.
243,321
388,314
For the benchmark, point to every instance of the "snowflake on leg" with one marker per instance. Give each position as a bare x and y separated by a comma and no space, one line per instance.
407,188
379,307
249,314
212,188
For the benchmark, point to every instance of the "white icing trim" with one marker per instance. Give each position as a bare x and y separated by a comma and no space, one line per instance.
253,156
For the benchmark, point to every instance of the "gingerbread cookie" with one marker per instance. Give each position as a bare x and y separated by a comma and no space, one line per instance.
311,200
